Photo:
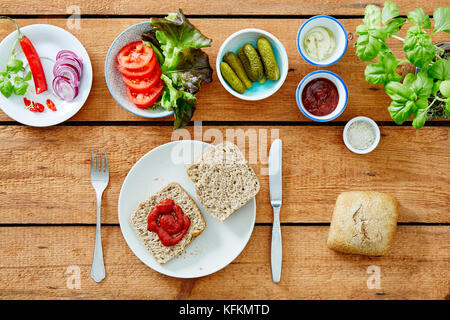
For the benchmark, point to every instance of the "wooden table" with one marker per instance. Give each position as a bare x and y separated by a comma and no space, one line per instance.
47,204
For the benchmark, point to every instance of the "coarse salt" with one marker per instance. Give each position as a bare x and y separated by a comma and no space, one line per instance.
361,135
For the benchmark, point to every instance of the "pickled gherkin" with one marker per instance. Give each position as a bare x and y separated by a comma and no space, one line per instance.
231,77
256,66
246,64
270,63
235,63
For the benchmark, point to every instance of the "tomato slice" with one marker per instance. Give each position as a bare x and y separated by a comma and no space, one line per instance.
135,55
141,73
143,85
146,99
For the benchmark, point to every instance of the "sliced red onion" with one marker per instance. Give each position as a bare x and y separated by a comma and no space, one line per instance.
68,53
66,60
64,89
68,71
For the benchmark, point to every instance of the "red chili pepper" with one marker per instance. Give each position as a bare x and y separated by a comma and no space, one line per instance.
26,102
34,107
40,107
33,59
51,105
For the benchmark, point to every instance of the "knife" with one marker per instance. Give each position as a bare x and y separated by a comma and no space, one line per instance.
276,253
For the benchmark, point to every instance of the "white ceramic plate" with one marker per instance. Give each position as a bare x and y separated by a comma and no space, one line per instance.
48,41
114,79
218,245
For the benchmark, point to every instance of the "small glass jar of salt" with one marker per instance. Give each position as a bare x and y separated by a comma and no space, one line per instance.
361,135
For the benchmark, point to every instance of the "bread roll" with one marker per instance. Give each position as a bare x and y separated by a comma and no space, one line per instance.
363,223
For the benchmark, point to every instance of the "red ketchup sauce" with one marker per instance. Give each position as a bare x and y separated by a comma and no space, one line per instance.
169,222
320,97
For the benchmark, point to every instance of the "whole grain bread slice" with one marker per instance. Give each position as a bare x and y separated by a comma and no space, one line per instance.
150,239
224,180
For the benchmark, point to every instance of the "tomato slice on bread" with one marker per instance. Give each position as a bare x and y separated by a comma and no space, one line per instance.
147,99
135,55
143,85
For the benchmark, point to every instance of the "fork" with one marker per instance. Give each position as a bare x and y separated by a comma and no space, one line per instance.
99,180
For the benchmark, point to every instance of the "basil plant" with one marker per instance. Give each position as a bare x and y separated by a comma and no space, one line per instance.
423,94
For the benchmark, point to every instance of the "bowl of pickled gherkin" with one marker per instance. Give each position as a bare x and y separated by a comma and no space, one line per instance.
252,64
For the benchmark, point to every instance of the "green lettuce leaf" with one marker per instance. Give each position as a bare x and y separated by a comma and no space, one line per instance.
181,102
176,35
185,65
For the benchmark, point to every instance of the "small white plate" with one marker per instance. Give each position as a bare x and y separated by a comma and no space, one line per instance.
218,245
48,41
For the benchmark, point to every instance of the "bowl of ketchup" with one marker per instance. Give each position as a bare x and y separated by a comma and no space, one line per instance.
322,96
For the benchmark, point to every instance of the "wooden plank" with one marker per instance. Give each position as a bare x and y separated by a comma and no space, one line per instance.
214,102
44,177
214,7
37,262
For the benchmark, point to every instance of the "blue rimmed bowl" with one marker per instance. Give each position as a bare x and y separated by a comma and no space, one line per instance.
339,32
341,88
258,91
113,77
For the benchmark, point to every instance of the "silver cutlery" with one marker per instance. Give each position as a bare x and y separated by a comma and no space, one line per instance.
275,184
99,180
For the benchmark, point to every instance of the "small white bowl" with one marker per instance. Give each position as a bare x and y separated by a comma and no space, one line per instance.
258,91
332,24
342,91
375,128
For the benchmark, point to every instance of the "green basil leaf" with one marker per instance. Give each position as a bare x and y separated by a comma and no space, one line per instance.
375,73
6,88
409,80
440,69
447,107
419,47
372,16
362,29
421,103
390,10
444,88
441,18
27,77
423,85
420,118
14,65
394,26
368,46
399,92
20,86
394,76
400,112
382,71
420,18
436,85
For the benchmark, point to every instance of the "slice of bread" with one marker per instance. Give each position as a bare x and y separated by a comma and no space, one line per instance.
138,220
224,181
